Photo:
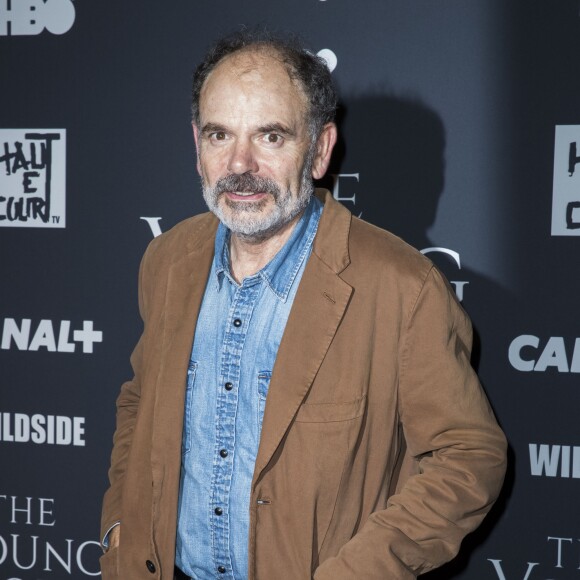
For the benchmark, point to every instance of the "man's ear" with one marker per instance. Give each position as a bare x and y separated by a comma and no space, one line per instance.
324,147
196,139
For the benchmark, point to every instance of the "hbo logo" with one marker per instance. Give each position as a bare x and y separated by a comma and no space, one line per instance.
31,17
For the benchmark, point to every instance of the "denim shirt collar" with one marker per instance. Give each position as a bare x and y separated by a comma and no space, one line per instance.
280,272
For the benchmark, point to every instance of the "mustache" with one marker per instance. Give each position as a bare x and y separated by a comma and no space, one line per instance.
247,182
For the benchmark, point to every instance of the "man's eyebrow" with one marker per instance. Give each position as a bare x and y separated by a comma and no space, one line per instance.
212,128
277,128
268,128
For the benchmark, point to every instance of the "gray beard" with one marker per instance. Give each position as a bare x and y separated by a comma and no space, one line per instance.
245,219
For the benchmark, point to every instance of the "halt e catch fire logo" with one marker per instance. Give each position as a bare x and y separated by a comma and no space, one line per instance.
566,188
33,178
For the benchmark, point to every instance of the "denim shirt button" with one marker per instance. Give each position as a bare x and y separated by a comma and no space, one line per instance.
224,453
218,511
229,386
221,569
237,322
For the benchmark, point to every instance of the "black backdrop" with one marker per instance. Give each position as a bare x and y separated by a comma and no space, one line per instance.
448,138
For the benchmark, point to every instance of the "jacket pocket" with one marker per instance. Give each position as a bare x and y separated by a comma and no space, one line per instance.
315,456
331,412
191,370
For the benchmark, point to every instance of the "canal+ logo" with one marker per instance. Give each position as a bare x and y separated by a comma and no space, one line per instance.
31,17
49,335
529,353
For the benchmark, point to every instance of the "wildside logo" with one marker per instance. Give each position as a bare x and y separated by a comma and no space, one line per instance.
42,429
555,460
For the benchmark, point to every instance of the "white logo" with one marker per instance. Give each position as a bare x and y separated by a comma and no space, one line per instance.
457,284
336,177
42,429
33,552
336,181
153,223
546,459
45,336
524,354
31,17
565,557
329,57
33,178
566,192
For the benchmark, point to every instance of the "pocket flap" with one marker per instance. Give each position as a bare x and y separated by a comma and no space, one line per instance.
330,412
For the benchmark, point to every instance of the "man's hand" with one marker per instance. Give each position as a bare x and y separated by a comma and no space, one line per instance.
114,536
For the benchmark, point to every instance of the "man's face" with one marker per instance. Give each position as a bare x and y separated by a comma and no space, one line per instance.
255,153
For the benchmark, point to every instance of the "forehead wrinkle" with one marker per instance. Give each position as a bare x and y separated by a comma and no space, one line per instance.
250,60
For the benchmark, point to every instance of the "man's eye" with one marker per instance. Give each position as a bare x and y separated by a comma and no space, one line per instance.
219,135
273,138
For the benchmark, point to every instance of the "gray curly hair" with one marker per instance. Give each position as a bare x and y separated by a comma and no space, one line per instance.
308,69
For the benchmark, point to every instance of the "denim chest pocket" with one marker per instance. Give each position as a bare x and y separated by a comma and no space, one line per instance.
263,385
191,370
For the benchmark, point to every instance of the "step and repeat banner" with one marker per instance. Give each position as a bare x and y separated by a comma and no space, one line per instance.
460,132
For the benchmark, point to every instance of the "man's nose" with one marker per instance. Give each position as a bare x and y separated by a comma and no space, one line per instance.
242,158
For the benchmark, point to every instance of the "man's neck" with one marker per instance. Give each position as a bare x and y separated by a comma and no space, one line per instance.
248,257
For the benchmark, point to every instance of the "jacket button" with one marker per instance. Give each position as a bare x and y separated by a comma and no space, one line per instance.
237,322
224,453
229,386
221,569
150,566
218,511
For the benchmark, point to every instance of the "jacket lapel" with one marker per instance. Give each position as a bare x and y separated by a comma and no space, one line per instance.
318,308
186,281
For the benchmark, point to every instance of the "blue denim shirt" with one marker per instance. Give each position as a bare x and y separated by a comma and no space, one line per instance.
238,333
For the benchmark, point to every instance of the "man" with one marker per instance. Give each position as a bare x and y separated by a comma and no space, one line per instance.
303,404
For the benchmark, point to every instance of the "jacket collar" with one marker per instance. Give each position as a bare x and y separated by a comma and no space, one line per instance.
331,242
278,274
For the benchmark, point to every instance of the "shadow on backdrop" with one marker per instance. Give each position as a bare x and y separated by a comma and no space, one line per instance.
396,148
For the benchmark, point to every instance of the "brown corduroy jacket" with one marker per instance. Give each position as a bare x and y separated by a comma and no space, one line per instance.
379,450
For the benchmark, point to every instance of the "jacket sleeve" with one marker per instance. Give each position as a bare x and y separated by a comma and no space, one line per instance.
127,407
451,436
